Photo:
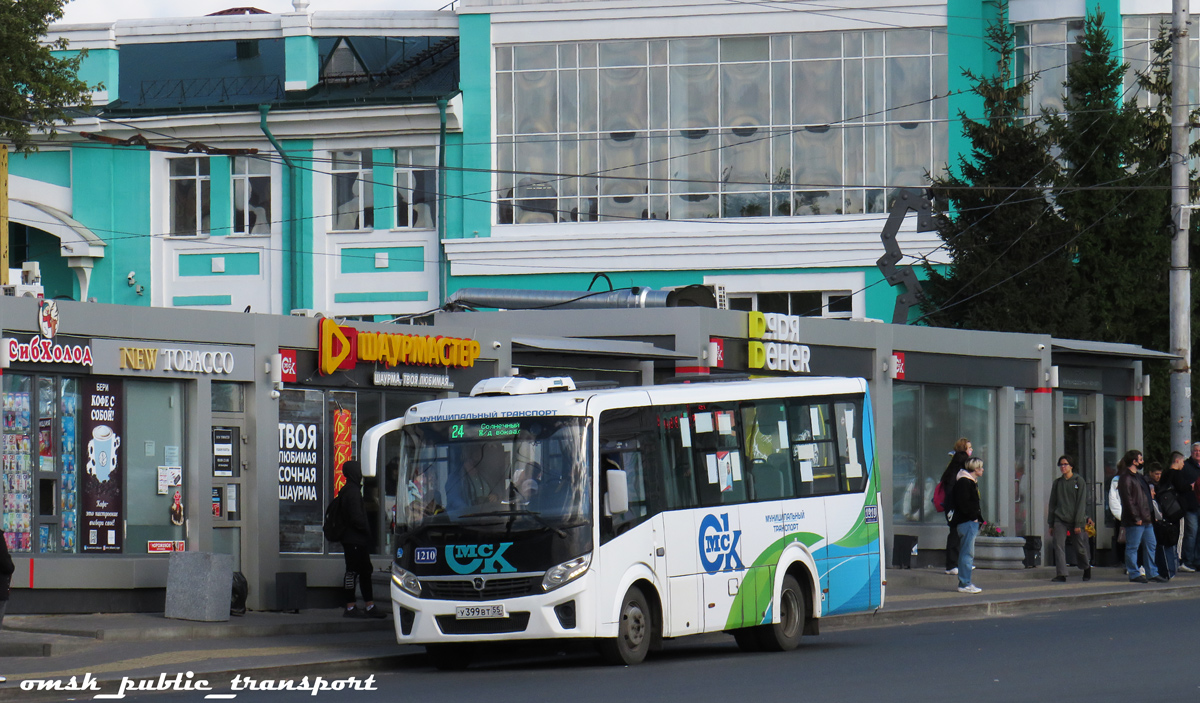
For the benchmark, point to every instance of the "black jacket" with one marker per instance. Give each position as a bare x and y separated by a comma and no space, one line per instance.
1183,484
957,462
966,501
358,530
6,567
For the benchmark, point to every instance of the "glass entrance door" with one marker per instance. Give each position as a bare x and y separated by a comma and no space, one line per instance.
1022,477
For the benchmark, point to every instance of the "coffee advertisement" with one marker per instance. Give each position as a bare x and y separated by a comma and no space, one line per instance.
101,501
301,471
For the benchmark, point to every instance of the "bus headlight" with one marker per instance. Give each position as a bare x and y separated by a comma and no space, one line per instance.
406,580
566,572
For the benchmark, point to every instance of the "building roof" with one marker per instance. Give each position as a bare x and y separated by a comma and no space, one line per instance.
1128,351
209,76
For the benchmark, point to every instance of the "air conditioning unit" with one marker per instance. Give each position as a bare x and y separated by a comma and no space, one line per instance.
306,312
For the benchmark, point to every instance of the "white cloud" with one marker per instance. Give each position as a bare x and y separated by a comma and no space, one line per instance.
82,11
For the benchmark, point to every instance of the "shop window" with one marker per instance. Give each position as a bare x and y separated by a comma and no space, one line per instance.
416,188
926,422
353,199
190,193
152,446
251,195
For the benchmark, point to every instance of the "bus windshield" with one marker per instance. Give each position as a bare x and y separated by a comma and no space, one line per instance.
502,474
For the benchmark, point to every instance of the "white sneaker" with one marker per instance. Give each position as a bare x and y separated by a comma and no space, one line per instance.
1187,569
952,572
969,588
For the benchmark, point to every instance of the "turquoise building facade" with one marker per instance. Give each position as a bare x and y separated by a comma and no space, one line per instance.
399,157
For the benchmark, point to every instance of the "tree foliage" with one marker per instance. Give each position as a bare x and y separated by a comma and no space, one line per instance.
1082,248
37,88
1010,269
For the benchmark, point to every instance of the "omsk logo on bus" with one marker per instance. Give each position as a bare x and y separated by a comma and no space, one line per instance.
719,545
478,558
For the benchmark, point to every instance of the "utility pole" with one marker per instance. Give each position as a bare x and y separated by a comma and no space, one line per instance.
3,215
1181,279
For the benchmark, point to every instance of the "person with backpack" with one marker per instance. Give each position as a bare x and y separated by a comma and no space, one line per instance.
945,490
1166,530
1068,517
355,536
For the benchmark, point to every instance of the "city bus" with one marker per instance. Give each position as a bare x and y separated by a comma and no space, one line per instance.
536,510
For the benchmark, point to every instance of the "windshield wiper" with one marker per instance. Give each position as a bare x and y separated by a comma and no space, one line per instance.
518,513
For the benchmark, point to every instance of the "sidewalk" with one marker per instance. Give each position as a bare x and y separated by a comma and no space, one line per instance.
322,643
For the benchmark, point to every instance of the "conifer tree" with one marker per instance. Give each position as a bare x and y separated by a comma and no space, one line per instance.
1010,269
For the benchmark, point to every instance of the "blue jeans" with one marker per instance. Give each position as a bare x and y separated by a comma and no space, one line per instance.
967,532
1140,536
1191,521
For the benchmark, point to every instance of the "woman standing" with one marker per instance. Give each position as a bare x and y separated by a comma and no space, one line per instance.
968,516
962,452
1067,516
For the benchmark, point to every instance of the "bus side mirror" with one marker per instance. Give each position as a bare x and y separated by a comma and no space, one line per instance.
618,492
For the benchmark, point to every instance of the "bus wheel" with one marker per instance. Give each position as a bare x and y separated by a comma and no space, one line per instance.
793,611
634,631
450,657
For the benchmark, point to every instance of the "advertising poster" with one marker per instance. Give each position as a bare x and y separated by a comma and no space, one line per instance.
101,428
301,467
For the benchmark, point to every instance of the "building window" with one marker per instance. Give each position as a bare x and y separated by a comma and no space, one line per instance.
1140,32
416,187
830,304
718,127
251,195
926,422
190,196
353,201
1045,49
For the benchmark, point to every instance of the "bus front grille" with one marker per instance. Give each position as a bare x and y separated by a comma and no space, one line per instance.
493,589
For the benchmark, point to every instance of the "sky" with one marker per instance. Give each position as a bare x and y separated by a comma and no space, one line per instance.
80,11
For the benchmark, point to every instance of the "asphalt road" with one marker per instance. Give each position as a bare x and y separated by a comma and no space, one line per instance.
1136,652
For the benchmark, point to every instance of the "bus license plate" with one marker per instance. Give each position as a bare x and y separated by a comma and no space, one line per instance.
471,612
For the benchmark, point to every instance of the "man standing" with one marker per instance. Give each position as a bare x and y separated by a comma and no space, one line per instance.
1137,520
1068,515
1190,558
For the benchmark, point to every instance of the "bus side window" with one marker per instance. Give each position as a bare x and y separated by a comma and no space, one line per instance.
628,442
675,458
815,459
721,477
850,447
768,451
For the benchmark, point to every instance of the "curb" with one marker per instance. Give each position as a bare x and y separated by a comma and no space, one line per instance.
208,631
1004,608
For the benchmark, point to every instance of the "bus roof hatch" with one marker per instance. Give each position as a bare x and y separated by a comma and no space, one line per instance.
512,385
